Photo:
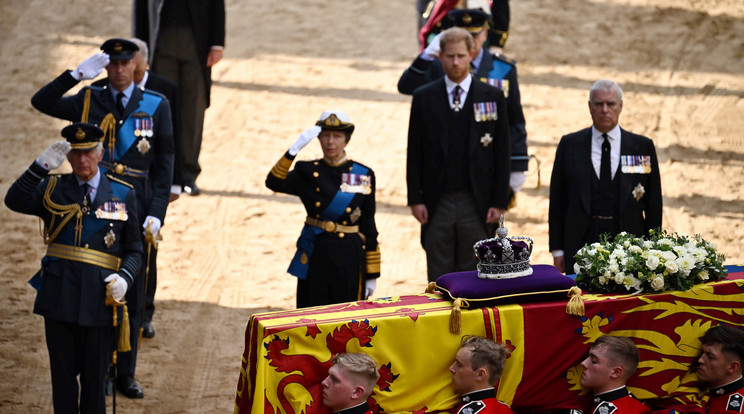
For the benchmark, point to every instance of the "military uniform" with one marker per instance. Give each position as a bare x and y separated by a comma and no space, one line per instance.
482,402
726,399
618,401
86,244
138,147
359,409
338,249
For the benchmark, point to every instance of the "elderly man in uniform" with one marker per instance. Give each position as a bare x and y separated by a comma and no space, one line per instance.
337,258
494,69
611,362
478,366
720,366
350,381
458,159
92,236
138,149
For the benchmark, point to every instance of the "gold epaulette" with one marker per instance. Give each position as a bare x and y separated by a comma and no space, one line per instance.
373,261
118,180
281,168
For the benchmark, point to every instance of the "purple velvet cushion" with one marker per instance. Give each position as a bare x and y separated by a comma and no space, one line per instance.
545,283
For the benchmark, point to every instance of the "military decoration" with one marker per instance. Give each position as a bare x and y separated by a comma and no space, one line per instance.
112,210
635,164
354,216
142,125
356,183
638,192
502,84
486,140
485,111
143,146
109,238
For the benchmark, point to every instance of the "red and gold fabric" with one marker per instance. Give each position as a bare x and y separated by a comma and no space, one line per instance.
287,353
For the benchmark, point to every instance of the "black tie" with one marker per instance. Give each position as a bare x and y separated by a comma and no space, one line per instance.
456,97
120,103
604,167
86,197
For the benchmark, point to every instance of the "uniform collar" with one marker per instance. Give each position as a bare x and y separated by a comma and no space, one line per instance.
340,161
727,388
357,409
478,395
612,395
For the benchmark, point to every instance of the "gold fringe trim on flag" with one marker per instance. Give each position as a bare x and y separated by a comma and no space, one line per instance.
575,305
455,317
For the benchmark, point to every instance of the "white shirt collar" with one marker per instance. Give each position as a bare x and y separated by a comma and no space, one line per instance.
465,85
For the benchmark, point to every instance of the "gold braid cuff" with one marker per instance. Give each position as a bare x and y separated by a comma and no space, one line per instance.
373,261
281,168
81,254
67,211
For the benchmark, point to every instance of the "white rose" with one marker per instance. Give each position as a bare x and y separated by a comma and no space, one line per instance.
635,249
577,268
668,256
657,283
647,244
620,278
671,267
652,262
603,280
626,243
614,268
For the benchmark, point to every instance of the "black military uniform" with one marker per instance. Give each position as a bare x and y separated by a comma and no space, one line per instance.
337,250
495,70
87,242
138,147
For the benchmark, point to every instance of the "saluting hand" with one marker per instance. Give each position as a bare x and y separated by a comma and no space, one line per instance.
304,139
54,155
91,67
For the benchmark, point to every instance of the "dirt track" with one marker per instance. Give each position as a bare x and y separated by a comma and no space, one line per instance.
225,253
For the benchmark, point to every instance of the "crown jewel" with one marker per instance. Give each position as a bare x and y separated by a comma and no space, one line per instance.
503,257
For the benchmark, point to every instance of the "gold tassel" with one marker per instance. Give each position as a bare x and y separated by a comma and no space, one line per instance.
455,325
124,345
431,287
575,305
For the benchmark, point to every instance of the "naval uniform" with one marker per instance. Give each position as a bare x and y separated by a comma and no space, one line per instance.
337,250
618,401
81,253
141,154
726,399
359,409
482,402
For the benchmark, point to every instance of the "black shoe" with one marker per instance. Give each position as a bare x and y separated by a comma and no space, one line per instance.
128,386
148,331
190,188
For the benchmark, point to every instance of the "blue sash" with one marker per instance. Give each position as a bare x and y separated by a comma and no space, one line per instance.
125,136
306,243
500,69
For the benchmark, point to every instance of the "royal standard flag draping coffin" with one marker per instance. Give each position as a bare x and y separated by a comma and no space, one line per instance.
287,353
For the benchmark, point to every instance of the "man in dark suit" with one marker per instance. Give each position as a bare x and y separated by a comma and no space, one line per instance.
458,159
186,38
138,149
605,180
93,247
145,79
490,68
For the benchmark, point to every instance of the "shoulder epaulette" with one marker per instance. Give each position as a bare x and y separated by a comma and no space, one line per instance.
119,180
505,59
152,92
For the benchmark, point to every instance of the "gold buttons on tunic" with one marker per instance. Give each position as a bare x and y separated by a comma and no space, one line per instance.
317,204
315,174
348,209
340,235
343,222
317,189
316,163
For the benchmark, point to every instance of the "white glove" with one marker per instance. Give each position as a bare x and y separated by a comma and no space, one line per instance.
119,288
91,67
516,180
304,139
432,50
154,228
369,287
53,156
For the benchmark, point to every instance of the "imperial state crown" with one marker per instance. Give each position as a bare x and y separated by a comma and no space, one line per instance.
503,257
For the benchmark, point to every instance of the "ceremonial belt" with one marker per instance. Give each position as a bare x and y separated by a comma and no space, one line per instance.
122,169
330,226
81,254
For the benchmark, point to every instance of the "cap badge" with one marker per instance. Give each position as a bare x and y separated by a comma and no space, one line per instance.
467,19
332,120
80,134
118,47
